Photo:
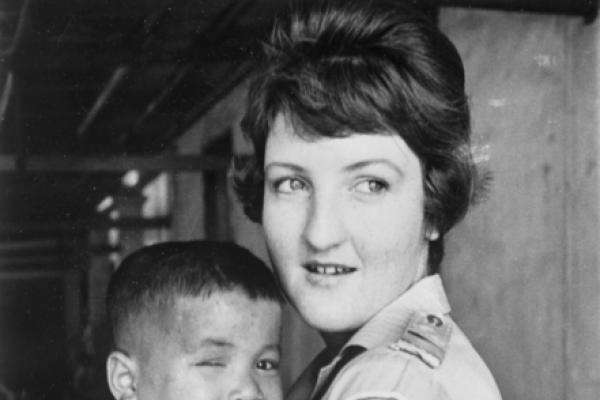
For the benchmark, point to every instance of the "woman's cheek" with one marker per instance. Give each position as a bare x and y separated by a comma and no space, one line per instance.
279,227
282,224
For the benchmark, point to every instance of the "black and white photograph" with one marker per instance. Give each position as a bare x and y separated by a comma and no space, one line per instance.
299,200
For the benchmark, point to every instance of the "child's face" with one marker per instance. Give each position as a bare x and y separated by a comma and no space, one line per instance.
225,346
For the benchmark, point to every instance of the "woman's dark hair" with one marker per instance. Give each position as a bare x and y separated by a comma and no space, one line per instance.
337,67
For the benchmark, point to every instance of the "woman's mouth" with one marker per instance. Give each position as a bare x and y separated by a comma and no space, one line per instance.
328,268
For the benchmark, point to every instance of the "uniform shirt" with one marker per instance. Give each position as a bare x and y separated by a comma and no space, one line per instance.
414,351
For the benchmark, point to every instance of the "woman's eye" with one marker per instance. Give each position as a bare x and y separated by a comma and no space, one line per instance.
267,365
290,185
371,186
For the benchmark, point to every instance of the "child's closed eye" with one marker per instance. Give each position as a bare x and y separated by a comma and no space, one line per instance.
211,363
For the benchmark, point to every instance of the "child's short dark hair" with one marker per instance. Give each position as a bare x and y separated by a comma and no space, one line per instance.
156,275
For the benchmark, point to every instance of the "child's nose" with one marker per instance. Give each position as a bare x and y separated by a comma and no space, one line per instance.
246,388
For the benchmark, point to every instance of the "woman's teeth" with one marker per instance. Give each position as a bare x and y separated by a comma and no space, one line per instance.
328,269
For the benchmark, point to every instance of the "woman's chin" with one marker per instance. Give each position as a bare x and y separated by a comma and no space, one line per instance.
331,320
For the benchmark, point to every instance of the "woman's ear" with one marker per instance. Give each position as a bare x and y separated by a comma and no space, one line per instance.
432,234
122,374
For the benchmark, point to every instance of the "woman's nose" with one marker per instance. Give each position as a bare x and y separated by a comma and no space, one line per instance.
246,388
324,226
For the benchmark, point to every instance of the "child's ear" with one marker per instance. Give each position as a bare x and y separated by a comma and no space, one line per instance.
122,373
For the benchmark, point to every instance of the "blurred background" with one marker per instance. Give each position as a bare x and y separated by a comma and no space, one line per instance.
117,125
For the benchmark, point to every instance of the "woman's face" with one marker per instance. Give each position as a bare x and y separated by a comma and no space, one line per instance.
343,219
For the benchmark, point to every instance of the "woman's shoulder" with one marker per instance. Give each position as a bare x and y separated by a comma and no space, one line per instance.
432,359
385,373
463,364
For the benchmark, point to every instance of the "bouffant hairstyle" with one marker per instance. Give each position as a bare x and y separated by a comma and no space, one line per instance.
149,281
370,66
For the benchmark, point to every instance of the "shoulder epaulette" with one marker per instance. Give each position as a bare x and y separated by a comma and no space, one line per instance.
426,336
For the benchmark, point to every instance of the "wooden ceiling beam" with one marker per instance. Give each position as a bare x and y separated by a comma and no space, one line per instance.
113,163
18,34
30,274
232,78
585,8
133,223
117,77
5,97
52,261
28,245
176,80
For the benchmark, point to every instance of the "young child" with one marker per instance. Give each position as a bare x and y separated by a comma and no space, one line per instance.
194,320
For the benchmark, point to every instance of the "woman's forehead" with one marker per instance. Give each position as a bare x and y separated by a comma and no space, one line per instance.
285,142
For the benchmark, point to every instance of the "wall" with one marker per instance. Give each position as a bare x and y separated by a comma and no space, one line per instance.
522,270
188,216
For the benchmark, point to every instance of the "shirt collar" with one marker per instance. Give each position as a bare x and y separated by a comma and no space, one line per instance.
426,295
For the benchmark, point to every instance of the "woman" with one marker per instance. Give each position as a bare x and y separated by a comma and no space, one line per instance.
360,126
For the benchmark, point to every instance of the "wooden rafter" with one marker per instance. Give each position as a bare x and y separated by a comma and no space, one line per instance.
85,224
5,97
113,163
7,53
585,8
116,78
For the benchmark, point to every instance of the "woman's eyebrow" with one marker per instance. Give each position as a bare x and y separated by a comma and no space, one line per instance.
282,164
366,163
